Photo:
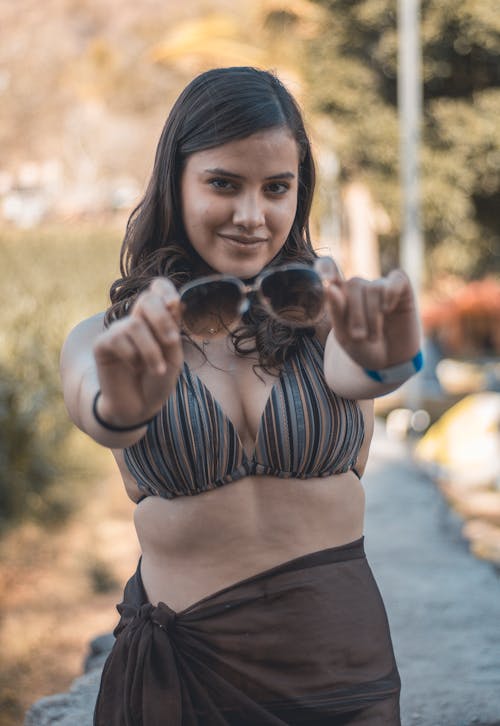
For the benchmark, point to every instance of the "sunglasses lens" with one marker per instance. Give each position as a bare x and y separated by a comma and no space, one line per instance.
294,295
209,308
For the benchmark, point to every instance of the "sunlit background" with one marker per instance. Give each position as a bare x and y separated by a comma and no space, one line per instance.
85,87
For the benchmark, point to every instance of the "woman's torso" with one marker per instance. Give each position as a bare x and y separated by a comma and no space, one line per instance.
194,545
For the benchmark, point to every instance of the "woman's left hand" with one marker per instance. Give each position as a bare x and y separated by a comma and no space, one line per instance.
376,322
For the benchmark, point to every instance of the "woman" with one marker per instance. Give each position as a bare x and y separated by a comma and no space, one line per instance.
241,425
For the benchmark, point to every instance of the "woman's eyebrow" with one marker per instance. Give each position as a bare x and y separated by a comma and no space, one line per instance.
232,175
223,172
283,175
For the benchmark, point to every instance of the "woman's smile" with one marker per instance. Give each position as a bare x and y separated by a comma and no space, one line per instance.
249,243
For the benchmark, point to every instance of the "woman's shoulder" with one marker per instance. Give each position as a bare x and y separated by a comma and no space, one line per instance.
82,336
77,359
89,326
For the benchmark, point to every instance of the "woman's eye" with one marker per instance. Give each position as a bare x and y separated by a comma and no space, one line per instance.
278,187
221,184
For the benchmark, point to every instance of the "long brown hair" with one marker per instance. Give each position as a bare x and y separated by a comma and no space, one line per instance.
218,106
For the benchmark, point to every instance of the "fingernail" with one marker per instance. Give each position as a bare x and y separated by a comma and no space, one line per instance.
325,267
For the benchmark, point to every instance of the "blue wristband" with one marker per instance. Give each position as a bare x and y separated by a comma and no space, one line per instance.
398,373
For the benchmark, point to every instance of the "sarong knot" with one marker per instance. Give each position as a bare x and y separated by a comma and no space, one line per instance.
163,616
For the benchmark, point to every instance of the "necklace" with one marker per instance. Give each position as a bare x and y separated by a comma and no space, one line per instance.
212,332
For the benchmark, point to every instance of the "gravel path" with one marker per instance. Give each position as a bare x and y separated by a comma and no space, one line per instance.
443,604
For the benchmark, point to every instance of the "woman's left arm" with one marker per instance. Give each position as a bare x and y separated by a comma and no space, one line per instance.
374,344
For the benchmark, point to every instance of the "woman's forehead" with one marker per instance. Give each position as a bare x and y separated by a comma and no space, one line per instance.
271,149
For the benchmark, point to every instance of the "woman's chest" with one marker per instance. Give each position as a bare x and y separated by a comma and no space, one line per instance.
229,419
240,390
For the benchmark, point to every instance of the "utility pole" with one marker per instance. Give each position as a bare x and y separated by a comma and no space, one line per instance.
410,119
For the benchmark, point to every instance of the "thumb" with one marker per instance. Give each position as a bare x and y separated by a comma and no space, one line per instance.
166,290
327,269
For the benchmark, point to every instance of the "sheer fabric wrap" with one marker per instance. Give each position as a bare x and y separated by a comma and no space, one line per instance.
306,642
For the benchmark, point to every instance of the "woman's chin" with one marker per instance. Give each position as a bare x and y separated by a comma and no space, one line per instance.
244,266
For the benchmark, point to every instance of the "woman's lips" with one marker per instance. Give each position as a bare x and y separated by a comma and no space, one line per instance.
242,240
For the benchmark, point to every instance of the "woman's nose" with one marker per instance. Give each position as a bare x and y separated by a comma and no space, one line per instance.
249,211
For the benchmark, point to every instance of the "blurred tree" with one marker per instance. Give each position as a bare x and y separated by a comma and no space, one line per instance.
51,280
267,33
106,71
32,482
351,72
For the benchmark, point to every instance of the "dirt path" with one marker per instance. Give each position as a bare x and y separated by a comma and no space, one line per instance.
57,590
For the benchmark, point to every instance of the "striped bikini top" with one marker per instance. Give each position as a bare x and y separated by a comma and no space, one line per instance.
306,431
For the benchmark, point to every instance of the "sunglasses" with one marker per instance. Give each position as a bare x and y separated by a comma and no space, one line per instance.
292,293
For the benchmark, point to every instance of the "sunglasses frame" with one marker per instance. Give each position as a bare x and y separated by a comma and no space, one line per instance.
256,287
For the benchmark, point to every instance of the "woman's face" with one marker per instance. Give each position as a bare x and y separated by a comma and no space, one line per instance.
239,200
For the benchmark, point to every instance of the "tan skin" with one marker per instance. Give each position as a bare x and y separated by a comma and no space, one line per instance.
237,221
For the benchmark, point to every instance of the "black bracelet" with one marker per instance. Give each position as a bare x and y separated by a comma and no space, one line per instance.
111,427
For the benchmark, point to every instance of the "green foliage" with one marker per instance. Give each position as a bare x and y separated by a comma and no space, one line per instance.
352,74
53,278
101,576
28,457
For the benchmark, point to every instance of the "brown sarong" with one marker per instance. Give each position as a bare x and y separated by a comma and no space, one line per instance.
306,642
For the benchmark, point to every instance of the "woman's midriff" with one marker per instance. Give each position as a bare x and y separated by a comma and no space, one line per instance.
195,546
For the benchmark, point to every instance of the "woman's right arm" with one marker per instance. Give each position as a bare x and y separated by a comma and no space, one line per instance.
135,363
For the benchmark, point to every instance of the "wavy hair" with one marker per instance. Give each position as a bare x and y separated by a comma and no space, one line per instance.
218,106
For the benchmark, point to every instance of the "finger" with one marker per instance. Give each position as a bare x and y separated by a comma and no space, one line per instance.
115,345
327,269
165,288
150,351
396,289
151,308
167,291
336,302
164,325
356,313
373,294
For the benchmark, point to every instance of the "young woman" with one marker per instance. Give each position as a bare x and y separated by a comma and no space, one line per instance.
232,377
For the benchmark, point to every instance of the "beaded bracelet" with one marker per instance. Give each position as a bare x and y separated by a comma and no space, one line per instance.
398,373
112,427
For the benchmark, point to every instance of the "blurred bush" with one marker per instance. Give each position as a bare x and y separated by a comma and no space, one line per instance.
31,428
52,278
102,577
466,320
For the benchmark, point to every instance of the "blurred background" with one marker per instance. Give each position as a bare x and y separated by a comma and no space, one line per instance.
85,88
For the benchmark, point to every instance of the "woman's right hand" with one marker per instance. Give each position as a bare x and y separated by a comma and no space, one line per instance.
139,357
